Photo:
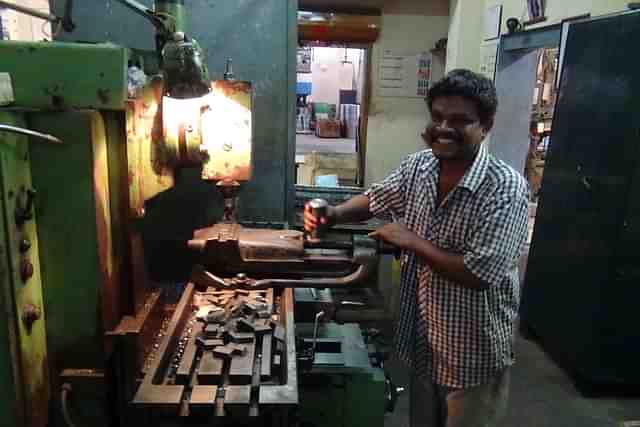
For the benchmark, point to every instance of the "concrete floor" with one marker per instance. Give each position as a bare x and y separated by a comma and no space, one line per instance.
542,395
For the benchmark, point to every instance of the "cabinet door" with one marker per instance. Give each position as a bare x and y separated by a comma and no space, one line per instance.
21,302
594,151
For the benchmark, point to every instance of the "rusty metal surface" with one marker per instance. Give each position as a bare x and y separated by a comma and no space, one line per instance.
207,382
270,245
153,390
227,130
144,329
287,392
263,259
204,396
22,293
148,174
228,249
109,280
257,245
148,165
182,130
139,275
213,131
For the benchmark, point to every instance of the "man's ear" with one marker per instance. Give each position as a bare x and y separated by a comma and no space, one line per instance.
487,126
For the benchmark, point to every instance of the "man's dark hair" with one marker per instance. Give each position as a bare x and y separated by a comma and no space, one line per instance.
470,85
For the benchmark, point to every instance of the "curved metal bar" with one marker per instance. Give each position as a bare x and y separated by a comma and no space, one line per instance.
27,132
202,278
143,11
361,273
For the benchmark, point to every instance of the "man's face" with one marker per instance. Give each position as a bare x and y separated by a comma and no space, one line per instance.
455,131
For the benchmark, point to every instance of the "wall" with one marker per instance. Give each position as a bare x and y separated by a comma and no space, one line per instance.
466,32
24,27
395,124
329,75
557,10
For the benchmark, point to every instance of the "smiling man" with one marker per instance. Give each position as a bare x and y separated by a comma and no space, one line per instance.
460,217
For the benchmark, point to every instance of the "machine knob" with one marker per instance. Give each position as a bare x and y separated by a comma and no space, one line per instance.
26,270
391,394
25,245
30,313
24,208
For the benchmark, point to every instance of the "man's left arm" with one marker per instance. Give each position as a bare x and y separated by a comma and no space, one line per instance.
493,244
448,264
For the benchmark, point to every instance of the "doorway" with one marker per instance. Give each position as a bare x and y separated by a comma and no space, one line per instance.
527,83
330,92
541,122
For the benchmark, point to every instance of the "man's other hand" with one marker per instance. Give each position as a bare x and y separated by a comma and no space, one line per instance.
396,234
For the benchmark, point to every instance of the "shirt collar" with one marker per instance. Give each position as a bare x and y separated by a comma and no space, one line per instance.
472,178
476,173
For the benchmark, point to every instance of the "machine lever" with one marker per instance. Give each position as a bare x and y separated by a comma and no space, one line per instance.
316,323
392,392
22,131
203,279
352,303
145,12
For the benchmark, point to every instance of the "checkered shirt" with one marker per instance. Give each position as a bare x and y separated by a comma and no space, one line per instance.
455,336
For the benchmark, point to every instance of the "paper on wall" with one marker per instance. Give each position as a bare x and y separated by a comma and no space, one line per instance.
404,74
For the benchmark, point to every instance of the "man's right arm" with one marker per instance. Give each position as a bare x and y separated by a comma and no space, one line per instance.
385,199
355,209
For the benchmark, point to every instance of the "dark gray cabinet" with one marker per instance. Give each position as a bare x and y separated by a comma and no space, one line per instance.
581,295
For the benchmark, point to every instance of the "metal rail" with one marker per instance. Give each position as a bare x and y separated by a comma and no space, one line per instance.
203,278
27,132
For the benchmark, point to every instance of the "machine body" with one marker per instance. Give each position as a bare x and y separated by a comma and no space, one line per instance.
101,342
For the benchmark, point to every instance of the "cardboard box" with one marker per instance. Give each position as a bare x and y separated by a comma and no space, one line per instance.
328,128
345,166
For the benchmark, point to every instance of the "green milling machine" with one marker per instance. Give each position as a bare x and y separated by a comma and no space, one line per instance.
112,320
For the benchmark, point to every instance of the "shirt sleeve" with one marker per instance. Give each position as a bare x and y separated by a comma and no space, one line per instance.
387,198
495,242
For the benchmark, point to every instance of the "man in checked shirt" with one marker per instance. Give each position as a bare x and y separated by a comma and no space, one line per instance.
459,215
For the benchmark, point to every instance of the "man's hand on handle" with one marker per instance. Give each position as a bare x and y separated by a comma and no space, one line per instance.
396,234
311,222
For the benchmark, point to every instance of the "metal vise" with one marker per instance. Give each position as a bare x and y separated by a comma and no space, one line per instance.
231,256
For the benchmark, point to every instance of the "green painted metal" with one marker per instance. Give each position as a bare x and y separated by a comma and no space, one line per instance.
29,341
58,76
68,232
175,9
9,392
10,388
290,135
348,395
